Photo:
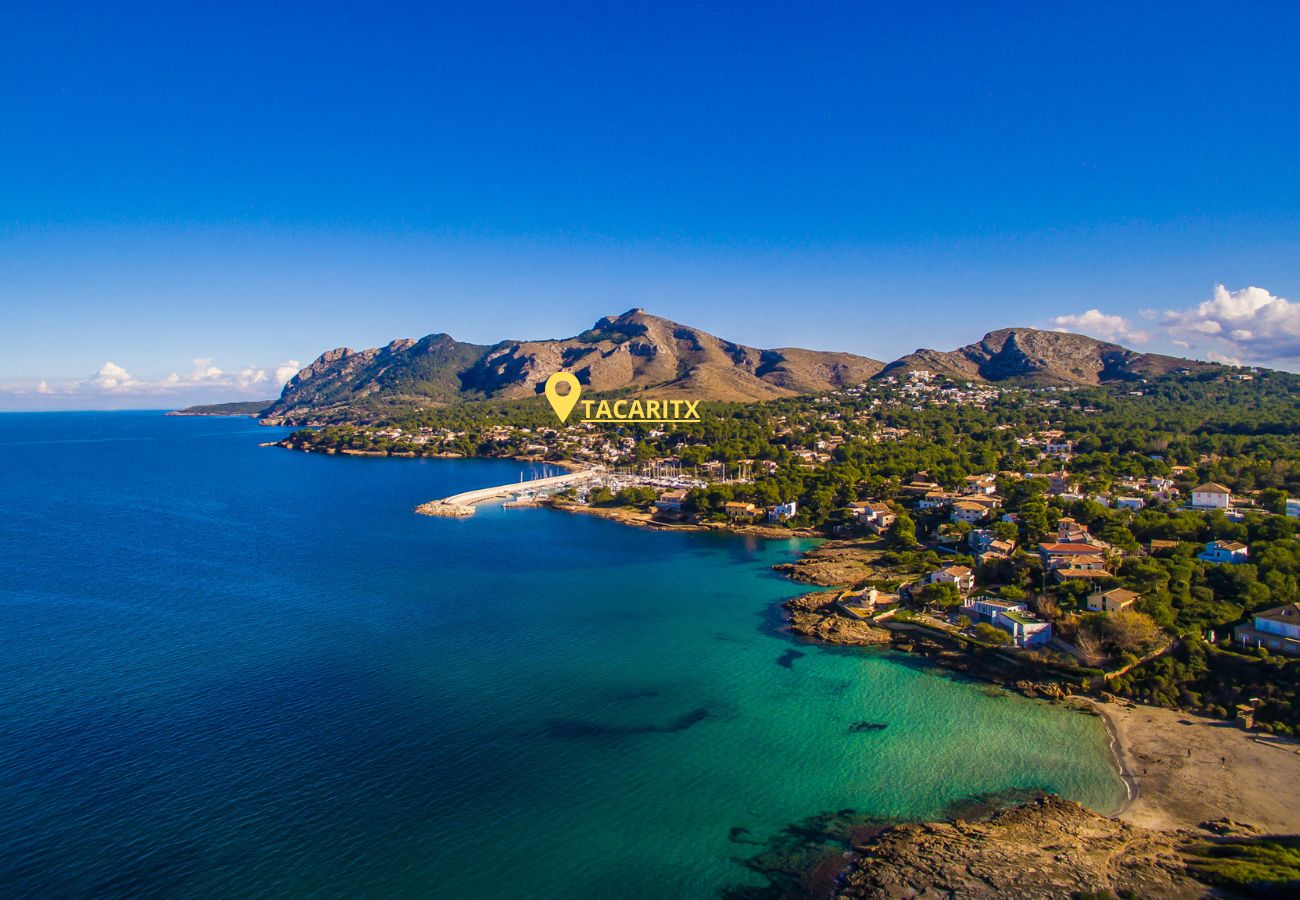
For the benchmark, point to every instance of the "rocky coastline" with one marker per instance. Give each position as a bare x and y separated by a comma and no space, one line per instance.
1048,847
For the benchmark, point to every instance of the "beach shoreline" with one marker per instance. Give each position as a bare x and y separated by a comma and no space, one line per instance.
1188,771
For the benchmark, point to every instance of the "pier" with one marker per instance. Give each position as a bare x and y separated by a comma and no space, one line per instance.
462,504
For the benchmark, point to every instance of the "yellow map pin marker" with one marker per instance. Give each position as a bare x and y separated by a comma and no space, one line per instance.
563,403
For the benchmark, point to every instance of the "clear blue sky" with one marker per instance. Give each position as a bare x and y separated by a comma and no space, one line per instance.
247,185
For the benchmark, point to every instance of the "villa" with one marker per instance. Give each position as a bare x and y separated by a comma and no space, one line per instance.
1071,555
968,511
1112,600
961,576
995,551
671,501
1225,552
1211,496
782,511
934,499
981,484
876,516
1026,630
1014,618
1073,561
735,509
1274,629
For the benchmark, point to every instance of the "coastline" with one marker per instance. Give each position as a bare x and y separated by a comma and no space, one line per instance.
1181,773
643,519
1131,788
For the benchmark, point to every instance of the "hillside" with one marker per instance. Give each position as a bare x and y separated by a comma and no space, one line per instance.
632,352
1042,358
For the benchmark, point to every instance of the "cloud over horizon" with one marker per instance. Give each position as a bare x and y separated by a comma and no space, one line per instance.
1243,327
1095,323
1251,324
113,385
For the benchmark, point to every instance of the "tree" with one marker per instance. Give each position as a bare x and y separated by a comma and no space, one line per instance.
1119,536
990,634
1273,500
636,496
1034,515
902,533
1005,531
1130,631
1047,607
1089,646
941,595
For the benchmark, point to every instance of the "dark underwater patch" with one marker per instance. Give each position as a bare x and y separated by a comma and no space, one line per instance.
863,727
803,859
787,658
567,729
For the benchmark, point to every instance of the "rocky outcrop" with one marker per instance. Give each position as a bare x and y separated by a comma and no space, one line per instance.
1047,848
442,510
818,615
1041,357
836,564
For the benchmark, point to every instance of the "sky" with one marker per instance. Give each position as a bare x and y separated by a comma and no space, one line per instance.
196,200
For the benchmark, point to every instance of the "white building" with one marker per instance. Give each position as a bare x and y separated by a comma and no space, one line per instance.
961,576
968,511
782,511
1274,629
1014,618
1211,496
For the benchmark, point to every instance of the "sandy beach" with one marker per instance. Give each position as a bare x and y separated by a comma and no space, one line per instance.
1187,770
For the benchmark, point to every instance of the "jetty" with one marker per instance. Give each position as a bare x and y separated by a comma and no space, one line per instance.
462,504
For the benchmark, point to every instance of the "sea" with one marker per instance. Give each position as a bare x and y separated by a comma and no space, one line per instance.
231,670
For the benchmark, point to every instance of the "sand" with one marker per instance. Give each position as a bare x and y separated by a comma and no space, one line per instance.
1187,770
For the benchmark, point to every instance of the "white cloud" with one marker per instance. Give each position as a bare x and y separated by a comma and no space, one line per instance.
1095,323
1250,323
286,370
110,378
1216,356
112,386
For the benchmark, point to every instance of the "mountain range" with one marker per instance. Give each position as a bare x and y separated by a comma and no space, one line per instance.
637,352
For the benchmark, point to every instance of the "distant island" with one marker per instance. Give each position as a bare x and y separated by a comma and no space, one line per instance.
251,408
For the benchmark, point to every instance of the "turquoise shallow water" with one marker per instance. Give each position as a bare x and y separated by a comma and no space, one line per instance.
234,670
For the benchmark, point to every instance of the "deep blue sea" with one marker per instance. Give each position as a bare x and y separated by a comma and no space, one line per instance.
233,671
